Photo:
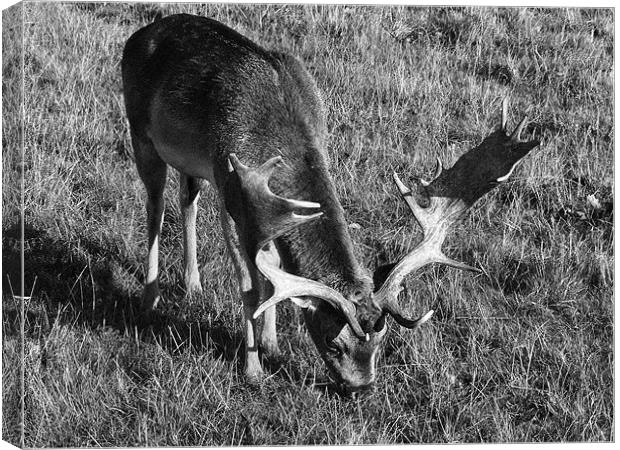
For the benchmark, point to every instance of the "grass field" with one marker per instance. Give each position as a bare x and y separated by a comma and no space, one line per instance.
523,352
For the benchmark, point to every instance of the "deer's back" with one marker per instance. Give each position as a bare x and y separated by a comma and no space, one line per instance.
199,91
196,86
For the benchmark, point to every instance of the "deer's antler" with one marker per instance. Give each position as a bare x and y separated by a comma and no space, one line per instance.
263,216
446,199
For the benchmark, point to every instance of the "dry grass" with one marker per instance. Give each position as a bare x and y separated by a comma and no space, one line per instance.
521,353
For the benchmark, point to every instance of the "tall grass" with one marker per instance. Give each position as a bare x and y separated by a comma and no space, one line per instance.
520,353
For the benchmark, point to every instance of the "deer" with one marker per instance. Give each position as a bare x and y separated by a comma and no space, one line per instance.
216,106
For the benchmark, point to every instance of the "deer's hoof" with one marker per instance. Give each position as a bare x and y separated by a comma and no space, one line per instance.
150,296
193,290
254,377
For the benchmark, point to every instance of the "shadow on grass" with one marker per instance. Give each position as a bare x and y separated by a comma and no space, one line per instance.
79,283
83,284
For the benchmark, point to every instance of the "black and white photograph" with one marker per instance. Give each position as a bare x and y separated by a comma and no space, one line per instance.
231,224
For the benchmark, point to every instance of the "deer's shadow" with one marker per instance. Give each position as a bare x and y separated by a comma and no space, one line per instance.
83,283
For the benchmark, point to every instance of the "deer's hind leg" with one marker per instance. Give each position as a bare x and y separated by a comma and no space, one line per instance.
153,171
189,193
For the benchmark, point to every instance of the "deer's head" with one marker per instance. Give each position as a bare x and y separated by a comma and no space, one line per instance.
348,327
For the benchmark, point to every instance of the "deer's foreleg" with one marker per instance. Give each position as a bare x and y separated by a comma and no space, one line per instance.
248,278
268,334
189,193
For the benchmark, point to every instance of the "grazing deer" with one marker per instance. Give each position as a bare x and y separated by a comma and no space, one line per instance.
214,105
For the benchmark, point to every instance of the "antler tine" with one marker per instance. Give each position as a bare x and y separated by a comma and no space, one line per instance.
261,176
438,170
504,113
264,171
394,310
237,165
516,134
266,216
405,193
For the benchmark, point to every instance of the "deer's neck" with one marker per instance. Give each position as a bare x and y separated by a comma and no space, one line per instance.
321,250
